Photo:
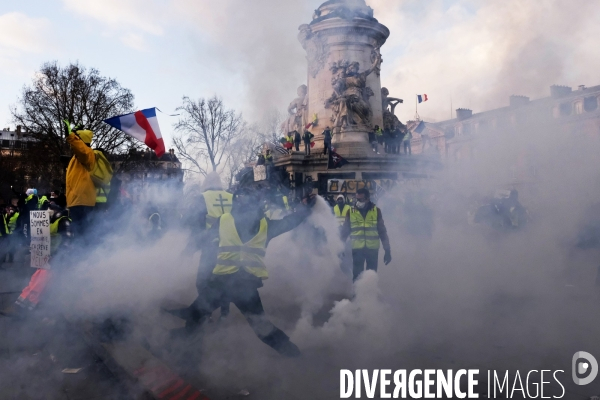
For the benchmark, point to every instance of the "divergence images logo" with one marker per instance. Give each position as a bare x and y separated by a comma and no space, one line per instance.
580,367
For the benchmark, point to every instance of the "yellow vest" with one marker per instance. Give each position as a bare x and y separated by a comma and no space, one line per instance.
12,223
233,254
341,216
218,202
55,237
41,202
102,195
363,231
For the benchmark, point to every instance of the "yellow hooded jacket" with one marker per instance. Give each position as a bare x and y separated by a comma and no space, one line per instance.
80,187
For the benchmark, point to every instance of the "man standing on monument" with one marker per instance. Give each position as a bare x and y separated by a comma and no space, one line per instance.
307,138
327,140
364,224
297,140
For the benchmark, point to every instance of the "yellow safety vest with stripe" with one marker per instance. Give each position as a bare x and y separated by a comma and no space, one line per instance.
12,223
41,202
341,216
55,237
102,194
363,231
218,202
233,254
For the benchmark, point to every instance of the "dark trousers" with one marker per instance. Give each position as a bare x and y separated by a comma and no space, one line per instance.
326,147
241,289
81,217
407,149
307,149
358,261
297,145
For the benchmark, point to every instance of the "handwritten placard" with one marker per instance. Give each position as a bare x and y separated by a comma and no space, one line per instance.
40,239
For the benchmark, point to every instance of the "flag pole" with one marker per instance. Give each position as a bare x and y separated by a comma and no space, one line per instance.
417,117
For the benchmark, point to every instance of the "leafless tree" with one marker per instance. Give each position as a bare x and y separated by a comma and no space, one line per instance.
80,95
206,133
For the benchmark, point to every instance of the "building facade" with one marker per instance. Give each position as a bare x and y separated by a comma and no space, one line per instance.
566,111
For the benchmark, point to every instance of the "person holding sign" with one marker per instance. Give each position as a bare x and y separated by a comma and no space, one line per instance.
50,234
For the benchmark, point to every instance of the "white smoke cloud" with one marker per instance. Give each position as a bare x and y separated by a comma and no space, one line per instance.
477,53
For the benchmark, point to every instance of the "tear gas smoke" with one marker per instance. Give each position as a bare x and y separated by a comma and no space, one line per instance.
463,296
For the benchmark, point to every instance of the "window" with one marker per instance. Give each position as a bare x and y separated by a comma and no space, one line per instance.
457,130
566,109
590,104
579,107
467,129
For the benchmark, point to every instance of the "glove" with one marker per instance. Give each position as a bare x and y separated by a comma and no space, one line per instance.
387,257
68,124
70,128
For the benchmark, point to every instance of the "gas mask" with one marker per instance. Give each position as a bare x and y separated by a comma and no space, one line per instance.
361,204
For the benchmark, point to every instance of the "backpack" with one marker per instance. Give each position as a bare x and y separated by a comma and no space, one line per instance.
102,173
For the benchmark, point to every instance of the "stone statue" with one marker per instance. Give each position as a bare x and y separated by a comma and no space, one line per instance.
390,121
389,103
350,99
298,112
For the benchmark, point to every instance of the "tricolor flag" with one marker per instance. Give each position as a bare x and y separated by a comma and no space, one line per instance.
421,98
143,126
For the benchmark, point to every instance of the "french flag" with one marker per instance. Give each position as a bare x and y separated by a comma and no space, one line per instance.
421,98
143,126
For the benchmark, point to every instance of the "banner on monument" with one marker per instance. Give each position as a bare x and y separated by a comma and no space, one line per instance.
39,227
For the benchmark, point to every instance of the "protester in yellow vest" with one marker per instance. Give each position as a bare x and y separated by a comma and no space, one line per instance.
43,203
233,267
341,209
365,227
13,216
60,234
215,201
81,191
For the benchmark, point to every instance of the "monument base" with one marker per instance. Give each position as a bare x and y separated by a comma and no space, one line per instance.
377,172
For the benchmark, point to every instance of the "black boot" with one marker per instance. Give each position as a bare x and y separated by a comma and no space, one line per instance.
281,343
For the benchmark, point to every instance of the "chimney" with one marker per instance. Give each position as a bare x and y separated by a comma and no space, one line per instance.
582,87
463,113
518,101
559,91
18,129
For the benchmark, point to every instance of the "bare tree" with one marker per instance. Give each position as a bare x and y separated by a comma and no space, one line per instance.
206,134
81,96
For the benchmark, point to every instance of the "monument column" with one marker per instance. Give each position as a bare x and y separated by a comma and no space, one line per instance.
344,88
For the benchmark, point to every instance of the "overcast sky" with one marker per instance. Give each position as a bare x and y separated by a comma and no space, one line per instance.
475,52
